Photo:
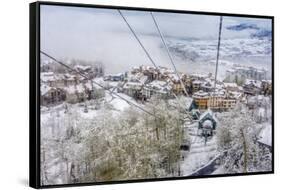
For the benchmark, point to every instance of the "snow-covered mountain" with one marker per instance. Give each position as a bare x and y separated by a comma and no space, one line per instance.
196,50
243,26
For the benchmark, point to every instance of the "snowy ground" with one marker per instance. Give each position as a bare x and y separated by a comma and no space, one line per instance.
115,103
200,153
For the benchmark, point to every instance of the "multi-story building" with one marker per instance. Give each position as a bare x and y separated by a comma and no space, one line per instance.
59,80
132,89
91,71
215,102
201,99
115,77
157,88
177,81
196,85
207,86
252,87
239,74
219,100
51,95
228,103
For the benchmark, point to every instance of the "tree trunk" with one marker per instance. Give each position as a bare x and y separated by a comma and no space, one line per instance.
245,151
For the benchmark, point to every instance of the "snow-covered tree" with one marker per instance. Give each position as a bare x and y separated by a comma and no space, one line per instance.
109,146
237,139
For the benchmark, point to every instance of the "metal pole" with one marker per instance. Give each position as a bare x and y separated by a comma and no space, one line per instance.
218,52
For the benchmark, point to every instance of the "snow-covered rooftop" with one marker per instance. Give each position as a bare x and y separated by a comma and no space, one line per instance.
50,76
198,75
218,92
134,85
159,85
174,77
207,124
201,93
234,94
256,83
232,85
47,76
82,67
210,112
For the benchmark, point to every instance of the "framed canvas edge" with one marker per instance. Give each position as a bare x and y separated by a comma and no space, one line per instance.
34,93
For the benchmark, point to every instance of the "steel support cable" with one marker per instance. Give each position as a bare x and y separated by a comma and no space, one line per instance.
168,52
137,38
218,51
144,49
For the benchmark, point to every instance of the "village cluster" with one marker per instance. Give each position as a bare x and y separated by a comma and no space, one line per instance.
146,81
67,86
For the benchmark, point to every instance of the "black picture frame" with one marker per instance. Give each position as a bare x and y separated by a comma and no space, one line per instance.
34,92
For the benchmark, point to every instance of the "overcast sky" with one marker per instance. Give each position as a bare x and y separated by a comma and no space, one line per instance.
101,34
